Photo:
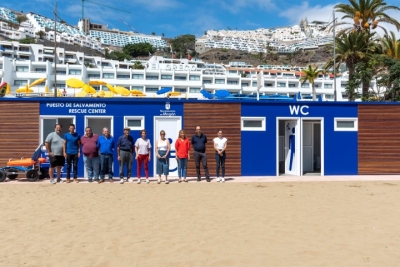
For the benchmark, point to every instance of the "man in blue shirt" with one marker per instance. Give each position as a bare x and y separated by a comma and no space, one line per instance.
125,148
199,141
71,149
106,151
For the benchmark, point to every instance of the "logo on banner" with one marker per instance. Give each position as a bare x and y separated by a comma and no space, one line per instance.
167,106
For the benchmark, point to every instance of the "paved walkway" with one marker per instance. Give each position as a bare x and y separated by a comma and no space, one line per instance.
258,179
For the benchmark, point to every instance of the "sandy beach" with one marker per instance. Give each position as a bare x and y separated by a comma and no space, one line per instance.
201,224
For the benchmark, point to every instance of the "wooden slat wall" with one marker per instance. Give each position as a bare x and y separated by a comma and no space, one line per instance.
212,117
19,129
378,139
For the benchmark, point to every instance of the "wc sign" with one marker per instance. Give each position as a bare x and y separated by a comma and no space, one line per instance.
294,110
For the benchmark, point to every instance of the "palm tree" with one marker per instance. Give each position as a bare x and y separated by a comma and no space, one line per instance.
352,48
21,19
310,74
391,46
41,34
367,14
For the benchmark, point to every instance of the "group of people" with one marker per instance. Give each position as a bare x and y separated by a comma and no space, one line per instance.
98,154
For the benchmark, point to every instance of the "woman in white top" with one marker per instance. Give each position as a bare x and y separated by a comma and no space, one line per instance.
163,147
220,143
143,154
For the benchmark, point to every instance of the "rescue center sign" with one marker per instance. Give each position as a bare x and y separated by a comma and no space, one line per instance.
80,108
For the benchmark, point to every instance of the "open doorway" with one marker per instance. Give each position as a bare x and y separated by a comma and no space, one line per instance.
312,147
288,148
48,123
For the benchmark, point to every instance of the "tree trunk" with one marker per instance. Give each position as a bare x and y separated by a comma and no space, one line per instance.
314,94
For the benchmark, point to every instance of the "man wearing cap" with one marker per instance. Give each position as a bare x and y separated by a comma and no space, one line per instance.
125,148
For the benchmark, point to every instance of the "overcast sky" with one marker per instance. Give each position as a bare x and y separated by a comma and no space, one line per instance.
176,17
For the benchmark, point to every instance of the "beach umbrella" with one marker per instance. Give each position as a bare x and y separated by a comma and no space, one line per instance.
111,88
174,94
222,93
25,90
97,82
87,88
122,90
8,89
46,89
206,94
74,83
164,90
37,82
81,93
101,93
136,92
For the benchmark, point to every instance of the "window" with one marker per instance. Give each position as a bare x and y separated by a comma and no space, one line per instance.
268,84
346,124
232,82
150,77
180,90
123,76
305,85
20,82
108,75
254,84
151,90
41,70
219,81
253,123
343,85
22,68
194,90
75,72
292,85
61,72
194,77
94,76
135,123
137,76
329,85
180,78
166,77
206,81
245,84
281,84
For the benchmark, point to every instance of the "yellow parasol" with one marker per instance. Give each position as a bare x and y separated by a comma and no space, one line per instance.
37,82
134,92
97,82
25,90
8,89
88,89
139,95
174,94
81,93
111,88
46,89
74,83
122,90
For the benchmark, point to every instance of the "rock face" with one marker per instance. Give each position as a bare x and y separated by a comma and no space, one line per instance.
301,58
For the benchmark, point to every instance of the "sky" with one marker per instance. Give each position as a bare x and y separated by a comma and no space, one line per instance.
176,17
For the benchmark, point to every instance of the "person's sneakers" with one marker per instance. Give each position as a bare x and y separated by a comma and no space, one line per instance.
223,180
147,180
90,180
76,180
101,181
127,180
217,179
68,180
198,179
53,181
208,179
121,181
111,180
59,180
166,182
138,181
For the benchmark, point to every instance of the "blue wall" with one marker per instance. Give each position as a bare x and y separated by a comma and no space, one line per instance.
118,109
259,147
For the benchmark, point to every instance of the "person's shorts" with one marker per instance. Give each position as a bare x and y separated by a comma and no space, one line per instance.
57,161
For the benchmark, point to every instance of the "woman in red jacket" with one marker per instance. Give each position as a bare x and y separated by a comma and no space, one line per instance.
182,147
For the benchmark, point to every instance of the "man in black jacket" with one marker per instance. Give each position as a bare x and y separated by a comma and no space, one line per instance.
199,141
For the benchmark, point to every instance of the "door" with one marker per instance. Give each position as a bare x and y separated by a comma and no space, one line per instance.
292,147
308,147
171,126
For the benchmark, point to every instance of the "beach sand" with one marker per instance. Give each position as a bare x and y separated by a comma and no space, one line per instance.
201,224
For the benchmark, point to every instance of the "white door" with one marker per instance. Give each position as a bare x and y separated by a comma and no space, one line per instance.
292,147
308,149
171,126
